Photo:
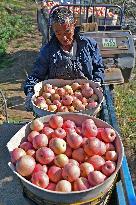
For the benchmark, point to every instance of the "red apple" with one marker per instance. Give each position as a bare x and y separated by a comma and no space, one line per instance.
44,155
36,125
16,154
67,100
108,168
71,172
97,162
86,168
39,167
74,140
57,145
32,135
26,146
111,155
56,121
108,135
63,186
95,178
59,133
40,179
40,140
81,184
25,165
55,174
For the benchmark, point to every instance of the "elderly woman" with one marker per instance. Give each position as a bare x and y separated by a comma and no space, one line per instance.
67,55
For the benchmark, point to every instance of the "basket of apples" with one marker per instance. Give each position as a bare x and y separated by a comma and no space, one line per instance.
66,158
53,96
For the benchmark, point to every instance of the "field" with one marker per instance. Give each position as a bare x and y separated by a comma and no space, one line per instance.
19,45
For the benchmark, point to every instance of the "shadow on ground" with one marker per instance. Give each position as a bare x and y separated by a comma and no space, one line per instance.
12,79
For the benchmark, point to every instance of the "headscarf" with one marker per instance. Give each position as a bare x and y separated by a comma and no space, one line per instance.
61,15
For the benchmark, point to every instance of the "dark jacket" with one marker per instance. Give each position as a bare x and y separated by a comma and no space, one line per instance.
53,62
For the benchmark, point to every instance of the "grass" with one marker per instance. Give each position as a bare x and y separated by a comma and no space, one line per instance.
14,23
125,103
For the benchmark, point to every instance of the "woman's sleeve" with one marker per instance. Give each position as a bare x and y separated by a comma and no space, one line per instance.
39,72
98,67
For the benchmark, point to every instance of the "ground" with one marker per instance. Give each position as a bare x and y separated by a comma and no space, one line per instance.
23,52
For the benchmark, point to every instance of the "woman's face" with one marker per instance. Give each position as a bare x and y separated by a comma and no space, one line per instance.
64,33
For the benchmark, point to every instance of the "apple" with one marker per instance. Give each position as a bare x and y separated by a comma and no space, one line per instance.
61,160
67,100
55,174
32,135
86,168
68,89
25,165
111,155
97,162
47,131
39,141
81,184
16,154
44,155
73,161
57,145
75,86
36,125
31,152
47,88
63,186
74,140
52,108
71,172
63,109
46,95
60,91
56,121
26,146
40,179
39,167
68,151
92,146
69,124
48,102
51,186
42,105
96,177
55,96
59,133
89,129
87,92
108,135
79,154
110,147
57,103
108,168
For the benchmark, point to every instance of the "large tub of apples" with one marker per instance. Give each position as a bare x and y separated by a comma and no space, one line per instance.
57,95
66,158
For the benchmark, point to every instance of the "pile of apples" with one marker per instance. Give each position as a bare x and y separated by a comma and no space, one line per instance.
70,98
60,156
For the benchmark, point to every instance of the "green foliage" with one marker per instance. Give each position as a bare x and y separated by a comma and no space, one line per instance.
13,23
126,112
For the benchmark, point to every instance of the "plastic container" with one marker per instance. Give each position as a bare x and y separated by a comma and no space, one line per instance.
60,82
78,197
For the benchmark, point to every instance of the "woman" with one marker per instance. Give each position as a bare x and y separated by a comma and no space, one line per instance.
67,55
